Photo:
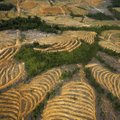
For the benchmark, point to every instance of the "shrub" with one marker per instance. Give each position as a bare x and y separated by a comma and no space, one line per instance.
6,6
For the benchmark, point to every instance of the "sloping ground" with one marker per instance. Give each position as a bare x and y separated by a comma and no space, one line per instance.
10,73
113,46
34,7
10,98
110,60
111,40
18,102
35,92
109,113
44,8
113,35
67,21
76,101
109,80
29,4
8,52
106,78
86,36
73,7
8,37
32,36
117,9
68,46
67,41
54,10
5,15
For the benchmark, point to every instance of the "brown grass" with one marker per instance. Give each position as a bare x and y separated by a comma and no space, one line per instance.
107,79
76,101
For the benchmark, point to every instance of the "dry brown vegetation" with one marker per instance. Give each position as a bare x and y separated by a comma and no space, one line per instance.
110,60
110,45
86,36
59,8
35,92
25,97
48,10
8,52
61,46
10,73
28,4
111,40
10,105
68,41
76,101
67,21
107,79
62,92
6,39
10,70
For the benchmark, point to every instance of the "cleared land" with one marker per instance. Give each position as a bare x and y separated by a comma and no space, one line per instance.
111,40
45,51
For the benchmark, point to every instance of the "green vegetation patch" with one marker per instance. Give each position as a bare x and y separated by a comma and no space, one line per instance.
6,6
36,23
115,3
37,62
28,23
100,16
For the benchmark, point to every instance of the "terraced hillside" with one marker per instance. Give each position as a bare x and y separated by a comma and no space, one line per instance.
7,37
49,7
76,101
106,78
35,92
24,98
109,60
59,60
61,46
66,21
68,41
8,52
111,40
10,73
10,105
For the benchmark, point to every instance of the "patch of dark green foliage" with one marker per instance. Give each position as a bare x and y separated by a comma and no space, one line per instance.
36,23
37,62
28,23
115,3
100,16
6,6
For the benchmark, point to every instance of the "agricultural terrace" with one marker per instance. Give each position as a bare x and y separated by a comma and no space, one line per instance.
59,60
